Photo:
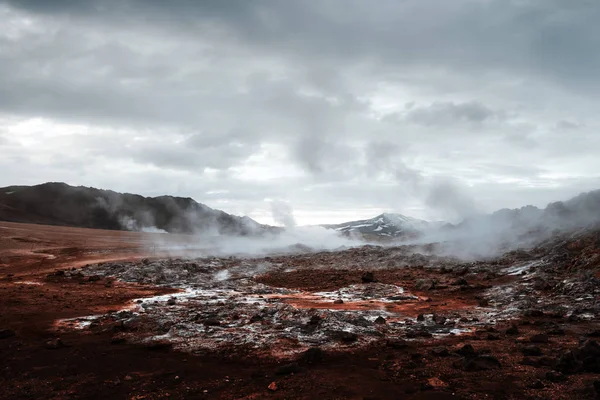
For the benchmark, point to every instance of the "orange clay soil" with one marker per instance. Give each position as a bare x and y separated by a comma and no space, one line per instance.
84,365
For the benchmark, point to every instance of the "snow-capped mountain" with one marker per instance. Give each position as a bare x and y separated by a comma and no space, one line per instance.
384,225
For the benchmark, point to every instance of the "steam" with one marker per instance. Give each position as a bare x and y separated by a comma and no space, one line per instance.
283,214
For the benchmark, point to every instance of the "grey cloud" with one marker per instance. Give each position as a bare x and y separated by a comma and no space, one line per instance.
445,113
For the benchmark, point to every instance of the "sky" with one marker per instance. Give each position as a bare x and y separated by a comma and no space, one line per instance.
341,109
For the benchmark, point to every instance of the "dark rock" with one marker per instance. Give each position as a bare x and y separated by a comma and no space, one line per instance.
440,351
537,385
493,336
531,351
554,376
540,338
314,320
368,277
171,301
556,332
159,345
460,282
484,303
513,330
420,317
211,322
314,355
59,272
397,343
539,361
344,336
94,278
380,320
288,369
533,313
467,351
256,318
6,333
425,284
54,344
438,319
482,363
338,301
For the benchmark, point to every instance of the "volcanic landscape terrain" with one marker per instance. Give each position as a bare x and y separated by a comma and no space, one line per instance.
106,314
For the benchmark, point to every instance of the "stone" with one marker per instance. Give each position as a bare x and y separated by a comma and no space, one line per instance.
380,321
54,344
368,277
288,369
513,330
6,333
482,363
531,351
467,351
272,386
440,351
314,355
540,338
338,301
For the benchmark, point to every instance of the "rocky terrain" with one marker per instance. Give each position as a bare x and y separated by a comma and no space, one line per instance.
64,205
369,322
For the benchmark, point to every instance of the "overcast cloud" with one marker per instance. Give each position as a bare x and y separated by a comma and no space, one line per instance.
340,109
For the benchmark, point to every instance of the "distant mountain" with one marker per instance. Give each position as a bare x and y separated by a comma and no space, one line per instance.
61,204
384,225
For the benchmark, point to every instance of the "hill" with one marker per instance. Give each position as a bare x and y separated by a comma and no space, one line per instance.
60,204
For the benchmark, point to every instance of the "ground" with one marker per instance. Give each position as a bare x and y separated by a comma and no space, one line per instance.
520,314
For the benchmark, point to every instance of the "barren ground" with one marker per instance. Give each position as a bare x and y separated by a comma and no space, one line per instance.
270,327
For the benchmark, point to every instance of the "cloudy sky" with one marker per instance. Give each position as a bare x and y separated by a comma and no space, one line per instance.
342,108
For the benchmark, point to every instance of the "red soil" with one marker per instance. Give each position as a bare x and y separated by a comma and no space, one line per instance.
91,366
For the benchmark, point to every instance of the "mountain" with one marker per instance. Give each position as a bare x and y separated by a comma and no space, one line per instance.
61,204
384,225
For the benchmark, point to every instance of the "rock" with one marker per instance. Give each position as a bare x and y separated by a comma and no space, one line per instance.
493,336
6,333
425,284
59,272
460,282
288,369
557,331
554,376
533,313
54,344
314,320
94,278
338,301
440,351
438,319
380,320
420,317
513,330
435,383
256,318
540,338
539,361
396,343
344,336
314,355
211,322
368,277
481,363
171,301
531,351
467,351
272,386
537,385
484,303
